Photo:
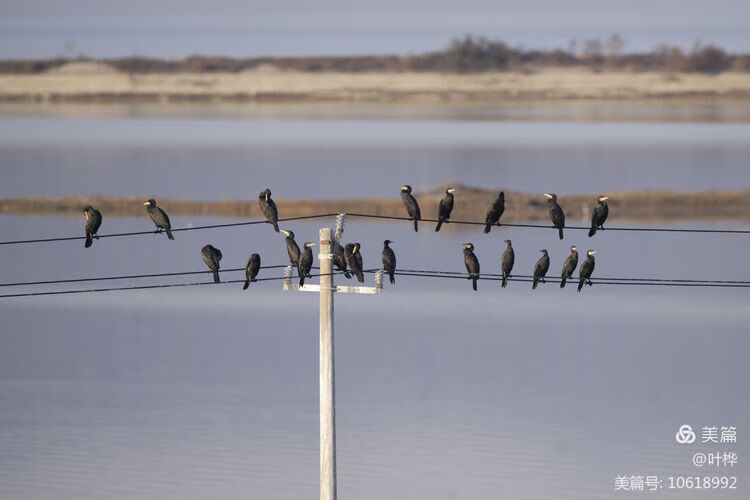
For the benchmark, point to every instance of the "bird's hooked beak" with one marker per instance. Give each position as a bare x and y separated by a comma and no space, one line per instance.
604,198
403,188
573,249
147,203
592,252
266,195
285,232
548,195
451,190
86,214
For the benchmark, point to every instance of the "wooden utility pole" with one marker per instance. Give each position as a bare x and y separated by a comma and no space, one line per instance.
327,371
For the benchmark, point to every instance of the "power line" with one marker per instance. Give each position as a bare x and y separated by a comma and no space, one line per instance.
546,226
193,228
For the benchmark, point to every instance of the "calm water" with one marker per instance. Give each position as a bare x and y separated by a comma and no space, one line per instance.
211,392
220,158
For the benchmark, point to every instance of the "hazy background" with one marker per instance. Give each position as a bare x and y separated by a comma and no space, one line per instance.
175,29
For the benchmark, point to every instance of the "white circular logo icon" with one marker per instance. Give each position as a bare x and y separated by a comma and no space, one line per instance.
685,435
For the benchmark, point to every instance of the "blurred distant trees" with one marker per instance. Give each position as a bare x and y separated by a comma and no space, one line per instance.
463,55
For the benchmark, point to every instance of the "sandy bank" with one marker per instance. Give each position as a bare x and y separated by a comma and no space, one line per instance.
260,86
471,204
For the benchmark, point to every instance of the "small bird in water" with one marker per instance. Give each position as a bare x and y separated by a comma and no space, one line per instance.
555,212
445,208
540,269
570,266
251,269
586,269
305,262
212,256
291,248
495,212
472,264
354,260
93,221
412,207
389,260
599,215
160,218
268,207
507,261
339,260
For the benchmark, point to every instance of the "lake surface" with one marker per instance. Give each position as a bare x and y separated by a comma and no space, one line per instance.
220,158
442,392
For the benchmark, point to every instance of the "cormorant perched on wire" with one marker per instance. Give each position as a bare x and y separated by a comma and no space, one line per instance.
160,218
495,212
351,251
212,256
555,212
251,269
445,208
338,258
570,266
412,207
305,262
389,260
93,221
268,207
599,215
540,269
586,269
472,264
507,261
291,247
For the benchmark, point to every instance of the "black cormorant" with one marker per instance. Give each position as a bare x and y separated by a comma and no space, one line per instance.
507,261
339,260
160,218
495,212
354,260
599,215
212,256
268,207
555,212
251,269
291,248
389,260
412,207
305,262
93,221
445,208
570,266
586,269
540,269
472,264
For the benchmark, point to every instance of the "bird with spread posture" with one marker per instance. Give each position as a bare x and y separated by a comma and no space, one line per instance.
570,266
507,261
412,207
251,269
540,269
586,269
160,218
212,256
472,264
268,207
291,248
599,215
445,208
389,260
339,260
555,212
495,212
354,260
93,221
305,262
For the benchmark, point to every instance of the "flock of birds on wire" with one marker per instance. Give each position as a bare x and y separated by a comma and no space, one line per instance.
349,260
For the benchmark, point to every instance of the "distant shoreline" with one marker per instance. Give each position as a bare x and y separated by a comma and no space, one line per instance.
435,89
471,204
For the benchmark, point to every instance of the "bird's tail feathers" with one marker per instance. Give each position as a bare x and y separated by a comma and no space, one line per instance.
592,231
88,241
247,284
169,234
560,230
439,225
562,283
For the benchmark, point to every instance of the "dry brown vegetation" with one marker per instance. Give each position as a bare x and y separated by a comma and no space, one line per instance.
471,204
